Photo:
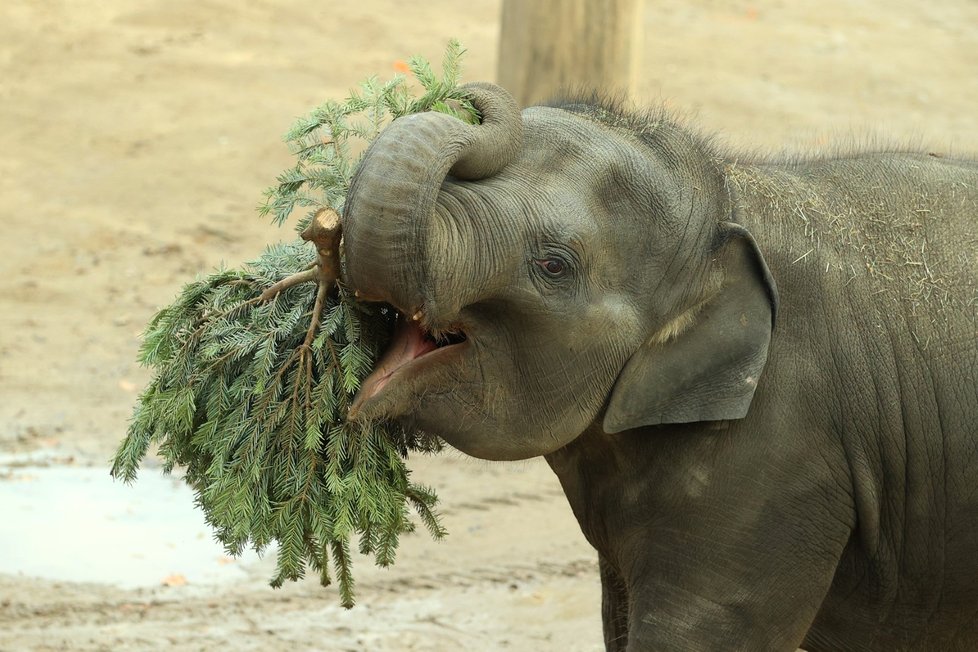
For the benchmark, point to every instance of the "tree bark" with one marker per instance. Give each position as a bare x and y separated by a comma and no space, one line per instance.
551,47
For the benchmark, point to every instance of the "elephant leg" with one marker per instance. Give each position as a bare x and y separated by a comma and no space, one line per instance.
614,608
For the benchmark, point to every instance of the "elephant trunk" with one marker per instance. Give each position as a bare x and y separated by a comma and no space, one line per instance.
393,193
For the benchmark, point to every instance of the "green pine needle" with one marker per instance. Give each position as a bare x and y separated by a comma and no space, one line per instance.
254,415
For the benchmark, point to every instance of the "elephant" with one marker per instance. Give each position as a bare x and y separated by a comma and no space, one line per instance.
756,379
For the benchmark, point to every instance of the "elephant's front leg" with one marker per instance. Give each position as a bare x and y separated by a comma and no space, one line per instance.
614,608
707,613
728,546
747,576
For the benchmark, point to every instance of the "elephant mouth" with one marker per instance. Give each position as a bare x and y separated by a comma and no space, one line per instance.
411,353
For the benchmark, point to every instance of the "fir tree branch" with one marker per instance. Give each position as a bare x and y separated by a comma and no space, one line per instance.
256,368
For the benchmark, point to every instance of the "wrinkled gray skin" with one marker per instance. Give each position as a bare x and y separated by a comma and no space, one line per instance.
756,381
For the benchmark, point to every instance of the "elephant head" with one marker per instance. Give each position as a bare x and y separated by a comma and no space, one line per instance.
555,270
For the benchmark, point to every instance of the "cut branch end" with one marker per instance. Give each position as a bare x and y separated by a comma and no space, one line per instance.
324,231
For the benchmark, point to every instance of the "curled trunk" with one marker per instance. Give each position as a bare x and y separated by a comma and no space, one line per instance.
393,192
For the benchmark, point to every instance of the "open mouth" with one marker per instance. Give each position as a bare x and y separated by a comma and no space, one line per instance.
409,346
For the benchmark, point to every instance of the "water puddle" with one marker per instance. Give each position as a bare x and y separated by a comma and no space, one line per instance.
78,524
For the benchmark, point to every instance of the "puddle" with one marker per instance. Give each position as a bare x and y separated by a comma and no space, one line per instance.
78,524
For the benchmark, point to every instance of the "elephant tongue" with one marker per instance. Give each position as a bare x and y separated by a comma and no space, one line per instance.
408,343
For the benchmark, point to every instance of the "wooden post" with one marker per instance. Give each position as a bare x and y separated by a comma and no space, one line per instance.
550,46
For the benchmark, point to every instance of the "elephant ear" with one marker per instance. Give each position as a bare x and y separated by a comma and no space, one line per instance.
710,370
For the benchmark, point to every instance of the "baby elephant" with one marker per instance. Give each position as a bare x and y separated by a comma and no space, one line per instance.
756,379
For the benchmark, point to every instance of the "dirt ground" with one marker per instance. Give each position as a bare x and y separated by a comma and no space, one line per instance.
135,140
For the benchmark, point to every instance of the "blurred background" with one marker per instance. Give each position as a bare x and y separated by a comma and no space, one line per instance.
136,138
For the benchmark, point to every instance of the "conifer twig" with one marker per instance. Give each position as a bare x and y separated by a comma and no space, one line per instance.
311,274
324,231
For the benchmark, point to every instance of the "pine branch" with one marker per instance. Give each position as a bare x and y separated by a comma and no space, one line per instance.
256,369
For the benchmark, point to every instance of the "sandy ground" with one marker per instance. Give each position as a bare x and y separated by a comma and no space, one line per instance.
135,140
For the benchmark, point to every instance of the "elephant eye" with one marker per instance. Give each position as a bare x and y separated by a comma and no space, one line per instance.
552,266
